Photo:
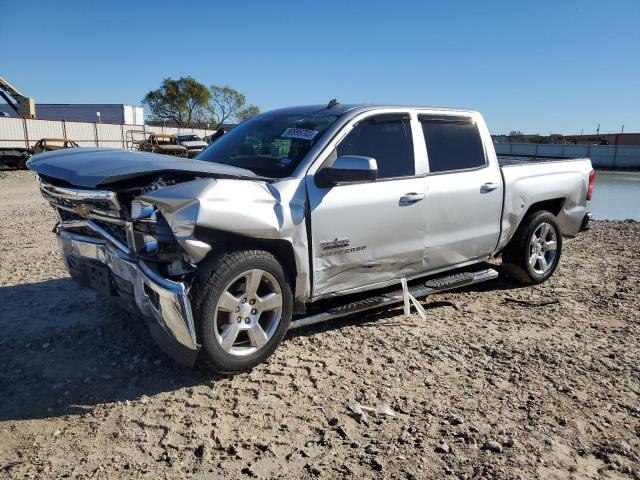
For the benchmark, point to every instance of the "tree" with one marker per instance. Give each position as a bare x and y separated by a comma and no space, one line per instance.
515,133
179,101
229,104
247,112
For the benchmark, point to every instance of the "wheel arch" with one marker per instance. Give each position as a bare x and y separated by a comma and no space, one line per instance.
513,221
552,205
279,248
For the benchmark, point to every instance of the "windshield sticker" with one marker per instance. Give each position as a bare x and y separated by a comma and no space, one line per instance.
300,133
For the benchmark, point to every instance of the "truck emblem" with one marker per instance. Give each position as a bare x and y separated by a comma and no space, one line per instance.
81,210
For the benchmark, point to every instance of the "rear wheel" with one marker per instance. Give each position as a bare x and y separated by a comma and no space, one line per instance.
245,310
534,251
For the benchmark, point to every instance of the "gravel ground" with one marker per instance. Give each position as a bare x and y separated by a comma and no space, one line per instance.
500,382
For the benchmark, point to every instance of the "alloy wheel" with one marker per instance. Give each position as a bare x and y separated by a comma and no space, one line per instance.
543,248
248,312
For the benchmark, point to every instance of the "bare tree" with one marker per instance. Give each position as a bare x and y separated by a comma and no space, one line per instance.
228,104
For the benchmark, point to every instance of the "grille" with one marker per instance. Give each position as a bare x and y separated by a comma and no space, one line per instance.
99,205
117,230
95,213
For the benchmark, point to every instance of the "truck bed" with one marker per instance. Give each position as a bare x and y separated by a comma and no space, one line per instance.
509,160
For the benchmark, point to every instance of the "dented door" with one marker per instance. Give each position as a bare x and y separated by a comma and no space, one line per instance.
368,233
365,234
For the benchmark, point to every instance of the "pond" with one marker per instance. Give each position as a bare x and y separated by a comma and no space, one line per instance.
616,196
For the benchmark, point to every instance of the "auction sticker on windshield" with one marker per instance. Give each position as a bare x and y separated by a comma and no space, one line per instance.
300,133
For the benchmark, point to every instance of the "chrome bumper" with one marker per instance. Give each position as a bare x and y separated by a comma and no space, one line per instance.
162,302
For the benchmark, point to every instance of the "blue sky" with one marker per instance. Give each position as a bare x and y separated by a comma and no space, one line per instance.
540,66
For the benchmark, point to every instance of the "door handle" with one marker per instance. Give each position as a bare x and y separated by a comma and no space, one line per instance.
489,186
411,197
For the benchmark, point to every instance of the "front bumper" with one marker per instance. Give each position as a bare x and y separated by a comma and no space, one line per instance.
163,303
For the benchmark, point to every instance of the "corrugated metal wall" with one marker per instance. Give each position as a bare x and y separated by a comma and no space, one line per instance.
82,133
110,135
44,128
12,133
24,133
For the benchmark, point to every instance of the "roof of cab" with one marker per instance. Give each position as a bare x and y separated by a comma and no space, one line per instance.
340,109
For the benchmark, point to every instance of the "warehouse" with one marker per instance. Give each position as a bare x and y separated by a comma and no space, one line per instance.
85,112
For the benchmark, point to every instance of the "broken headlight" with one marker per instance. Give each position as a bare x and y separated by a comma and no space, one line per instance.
152,235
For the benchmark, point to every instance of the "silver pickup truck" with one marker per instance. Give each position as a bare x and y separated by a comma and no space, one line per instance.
306,214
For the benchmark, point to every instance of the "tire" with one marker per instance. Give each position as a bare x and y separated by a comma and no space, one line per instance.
518,256
244,307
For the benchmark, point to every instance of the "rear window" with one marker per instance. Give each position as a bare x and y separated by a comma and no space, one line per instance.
453,143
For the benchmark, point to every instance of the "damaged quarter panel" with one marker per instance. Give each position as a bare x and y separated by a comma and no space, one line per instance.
253,209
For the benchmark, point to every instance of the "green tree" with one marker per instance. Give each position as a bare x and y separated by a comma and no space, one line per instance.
179,101
247,112
229,104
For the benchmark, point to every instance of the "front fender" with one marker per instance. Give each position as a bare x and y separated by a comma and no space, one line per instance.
248,208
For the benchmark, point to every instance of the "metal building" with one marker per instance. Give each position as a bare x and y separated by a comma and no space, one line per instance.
85,112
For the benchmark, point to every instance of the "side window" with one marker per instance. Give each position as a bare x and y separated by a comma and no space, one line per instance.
387,138
453,143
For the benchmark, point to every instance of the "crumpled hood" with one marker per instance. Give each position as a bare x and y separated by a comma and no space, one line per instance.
93,167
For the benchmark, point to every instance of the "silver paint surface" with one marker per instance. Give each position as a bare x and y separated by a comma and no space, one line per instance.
454,218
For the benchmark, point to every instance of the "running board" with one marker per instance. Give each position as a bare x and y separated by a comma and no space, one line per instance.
428,288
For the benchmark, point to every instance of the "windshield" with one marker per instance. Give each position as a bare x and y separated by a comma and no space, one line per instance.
189,138
271,145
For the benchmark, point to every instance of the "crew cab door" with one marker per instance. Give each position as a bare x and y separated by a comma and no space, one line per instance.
370,232
464,190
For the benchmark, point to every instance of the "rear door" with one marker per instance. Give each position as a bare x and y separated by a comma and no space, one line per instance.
464,191
372,232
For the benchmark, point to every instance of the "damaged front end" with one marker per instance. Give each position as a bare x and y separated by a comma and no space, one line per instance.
138,226
124,247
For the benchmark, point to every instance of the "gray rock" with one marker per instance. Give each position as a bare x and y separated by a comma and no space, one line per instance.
371,450
493,446
456,420
443,448
403,438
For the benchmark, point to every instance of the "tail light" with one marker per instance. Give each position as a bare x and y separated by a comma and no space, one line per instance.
592,181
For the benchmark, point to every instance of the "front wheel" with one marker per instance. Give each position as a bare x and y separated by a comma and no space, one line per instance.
244,312
534,251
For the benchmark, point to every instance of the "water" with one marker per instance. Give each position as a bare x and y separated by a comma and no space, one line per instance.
616,196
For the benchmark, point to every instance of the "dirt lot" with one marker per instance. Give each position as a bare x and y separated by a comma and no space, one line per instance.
488,387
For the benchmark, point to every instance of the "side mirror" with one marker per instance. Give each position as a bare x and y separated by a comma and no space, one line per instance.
348,169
